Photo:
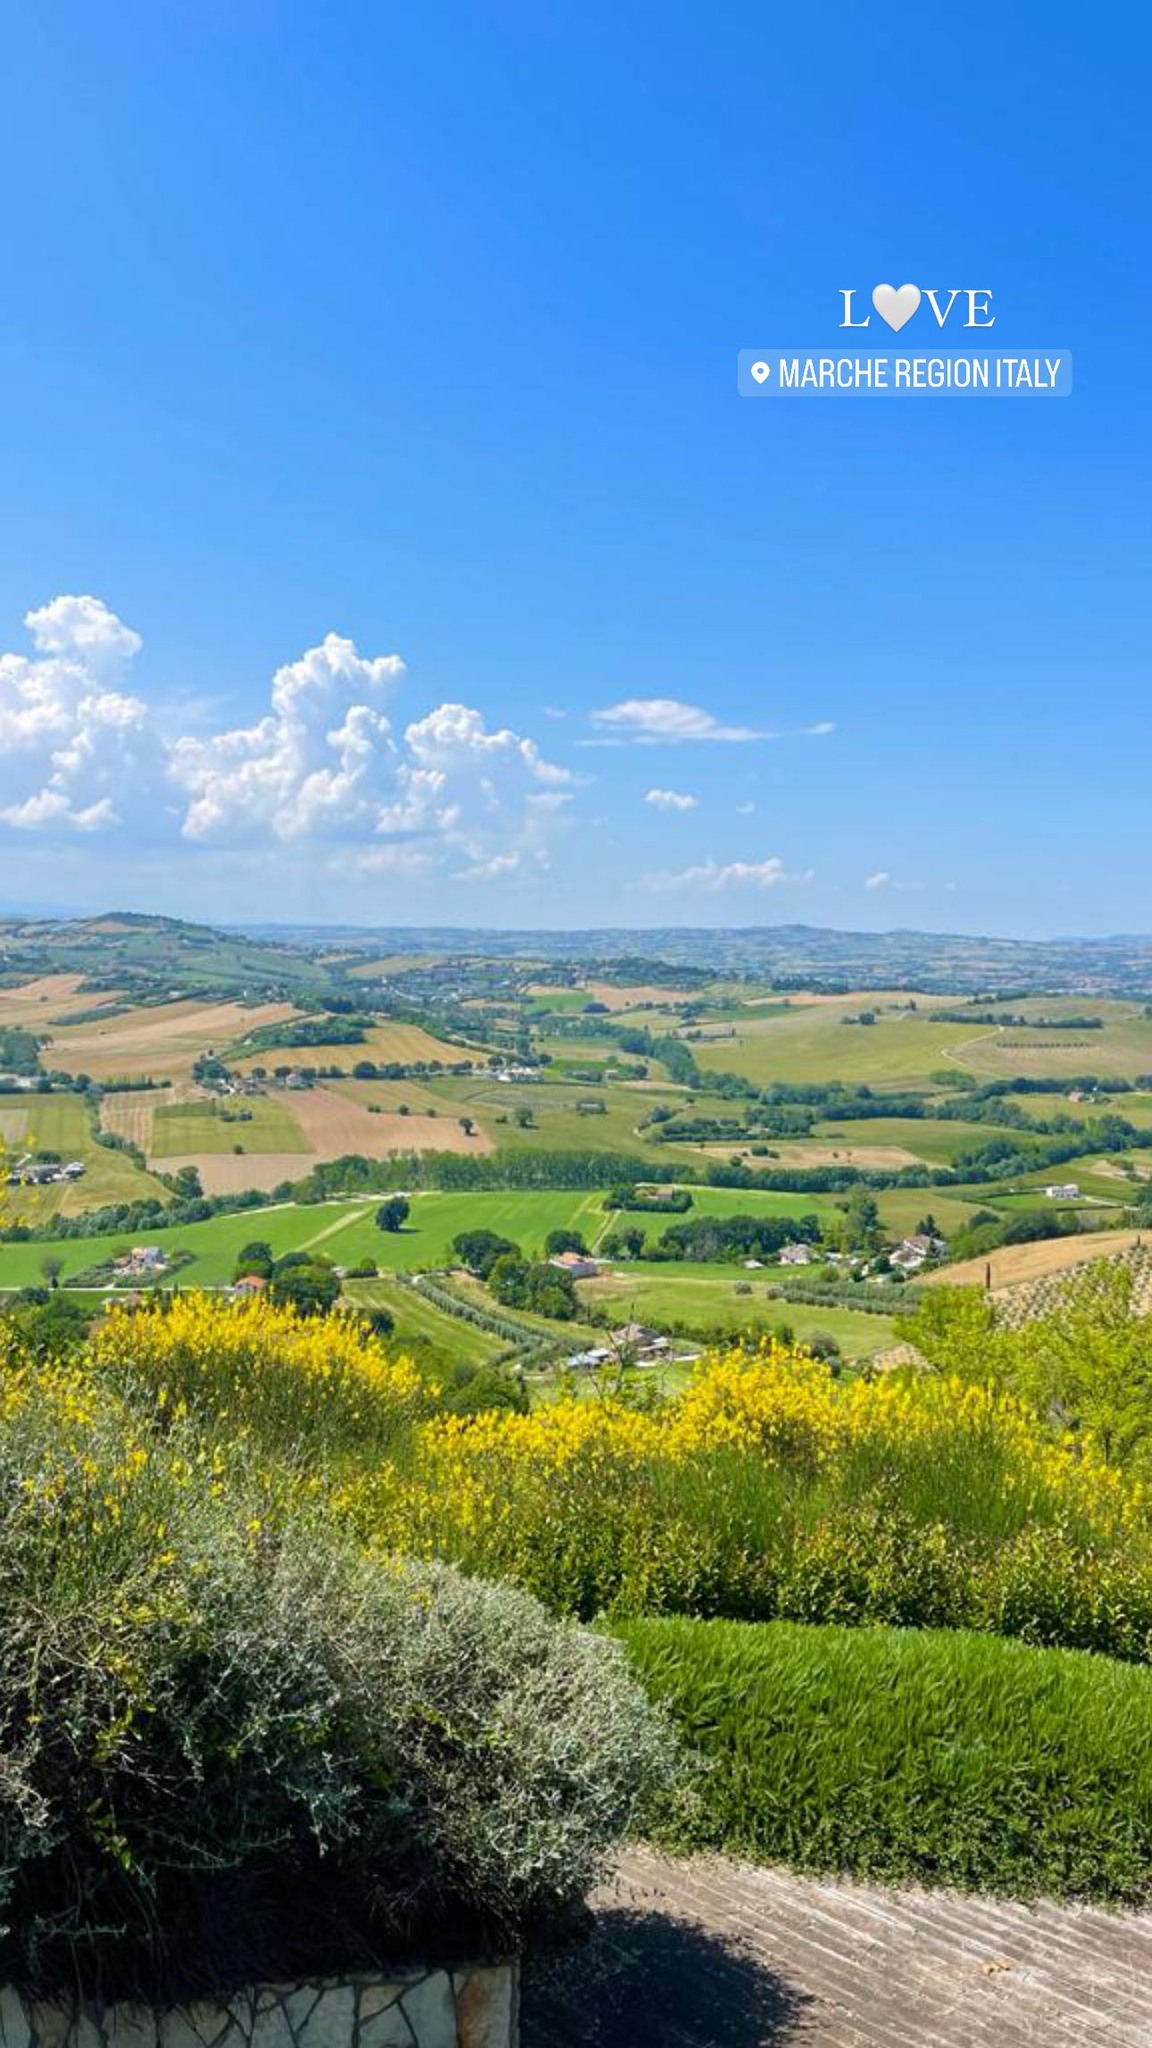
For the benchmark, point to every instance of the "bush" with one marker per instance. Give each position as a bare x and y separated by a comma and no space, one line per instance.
899,1756
252,1370
234,1748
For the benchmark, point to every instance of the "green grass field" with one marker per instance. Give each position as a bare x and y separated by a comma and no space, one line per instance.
909,1755
705,1297
268,1126
931,1139
59,1123
419,1322
344,1231
813,1043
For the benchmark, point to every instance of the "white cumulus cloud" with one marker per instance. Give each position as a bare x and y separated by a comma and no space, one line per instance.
324,766
671,800
74,750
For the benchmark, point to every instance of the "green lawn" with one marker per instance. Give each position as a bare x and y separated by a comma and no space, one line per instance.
909,1755
268,1125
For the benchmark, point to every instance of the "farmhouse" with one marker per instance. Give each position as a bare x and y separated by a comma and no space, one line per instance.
577,1265
911,1252
1069,1191
795,1255
141,1260
645,1345
247,1287
43,1173
587,1361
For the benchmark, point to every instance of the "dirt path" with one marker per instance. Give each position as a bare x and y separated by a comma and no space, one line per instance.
711,1954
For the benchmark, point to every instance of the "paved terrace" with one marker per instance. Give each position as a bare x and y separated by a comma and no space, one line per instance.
711,1954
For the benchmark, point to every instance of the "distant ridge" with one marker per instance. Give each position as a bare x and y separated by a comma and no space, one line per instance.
783,953
786,956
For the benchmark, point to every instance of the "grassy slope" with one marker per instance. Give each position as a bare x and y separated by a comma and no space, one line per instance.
344,1231
900,1755
812,1043
418,1321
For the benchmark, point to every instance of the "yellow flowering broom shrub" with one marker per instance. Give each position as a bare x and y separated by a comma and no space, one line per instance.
770,1488
324,1384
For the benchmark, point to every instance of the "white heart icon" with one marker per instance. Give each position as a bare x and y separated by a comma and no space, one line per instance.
896,307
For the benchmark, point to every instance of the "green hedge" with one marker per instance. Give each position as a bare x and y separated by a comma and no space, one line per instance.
903,1755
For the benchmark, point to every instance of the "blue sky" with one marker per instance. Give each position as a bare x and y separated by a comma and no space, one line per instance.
329,335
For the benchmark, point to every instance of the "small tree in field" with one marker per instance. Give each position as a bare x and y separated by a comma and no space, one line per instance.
52,1267
393,1214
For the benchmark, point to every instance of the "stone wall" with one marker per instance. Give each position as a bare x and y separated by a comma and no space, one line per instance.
472,2008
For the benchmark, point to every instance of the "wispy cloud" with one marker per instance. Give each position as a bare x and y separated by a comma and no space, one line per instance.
883,880
666,721
714,875
671,800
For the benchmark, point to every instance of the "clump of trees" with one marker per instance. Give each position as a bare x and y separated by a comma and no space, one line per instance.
722,1239
543,1290
516,1281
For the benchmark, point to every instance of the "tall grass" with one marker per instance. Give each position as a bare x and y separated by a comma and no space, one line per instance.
898,1755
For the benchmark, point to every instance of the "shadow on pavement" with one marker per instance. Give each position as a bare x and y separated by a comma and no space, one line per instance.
649,1980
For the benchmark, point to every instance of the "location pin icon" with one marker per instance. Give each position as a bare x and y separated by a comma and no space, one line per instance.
760,371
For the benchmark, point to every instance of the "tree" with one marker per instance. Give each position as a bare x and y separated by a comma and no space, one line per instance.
310,1289
52,1328
543,1290
525,1118
479,1250
254,1258
393,1214
627,1243
563,1241
467,1125
52,1266
378,1320
1091,1362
